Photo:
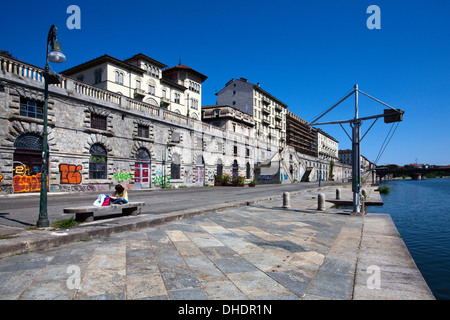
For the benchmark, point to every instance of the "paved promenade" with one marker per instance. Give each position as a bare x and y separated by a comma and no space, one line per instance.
255,252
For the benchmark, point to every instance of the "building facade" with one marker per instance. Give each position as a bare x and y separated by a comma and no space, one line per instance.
268,112
142,78
327,146
98,138
300,136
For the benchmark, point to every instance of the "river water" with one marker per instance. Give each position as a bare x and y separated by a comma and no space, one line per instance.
421,212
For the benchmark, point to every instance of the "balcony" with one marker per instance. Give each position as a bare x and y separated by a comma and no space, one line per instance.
278,116
266,109
266,120
278,125
165,102
139,93
265,100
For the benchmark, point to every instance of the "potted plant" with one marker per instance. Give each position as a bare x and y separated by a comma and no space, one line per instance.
252,183
218,180
235,181
226,179
241,180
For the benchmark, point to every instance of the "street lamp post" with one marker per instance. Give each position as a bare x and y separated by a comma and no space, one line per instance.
50,77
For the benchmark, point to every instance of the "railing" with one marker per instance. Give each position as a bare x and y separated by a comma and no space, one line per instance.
8,65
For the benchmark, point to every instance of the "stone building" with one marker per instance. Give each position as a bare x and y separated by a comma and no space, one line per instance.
98,138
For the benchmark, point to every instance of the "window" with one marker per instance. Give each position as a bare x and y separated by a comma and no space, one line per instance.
143,131
119,77
98,76
194,104
138,84
164,93
151,89
248,171
97,162
98,122
176,98
175,167
235,150
31,108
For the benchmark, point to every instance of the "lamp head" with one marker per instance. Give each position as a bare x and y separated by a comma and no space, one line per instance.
56,54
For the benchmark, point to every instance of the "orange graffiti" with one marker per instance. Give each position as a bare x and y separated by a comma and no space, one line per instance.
70,174
27,183
1,178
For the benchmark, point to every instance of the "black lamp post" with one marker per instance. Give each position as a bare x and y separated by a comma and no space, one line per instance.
50,77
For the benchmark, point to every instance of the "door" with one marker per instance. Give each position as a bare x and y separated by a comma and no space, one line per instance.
141,175
199,175
27,167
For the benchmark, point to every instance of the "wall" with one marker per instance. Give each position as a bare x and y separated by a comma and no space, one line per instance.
70,136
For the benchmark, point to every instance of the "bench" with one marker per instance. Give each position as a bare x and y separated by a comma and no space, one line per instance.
86,213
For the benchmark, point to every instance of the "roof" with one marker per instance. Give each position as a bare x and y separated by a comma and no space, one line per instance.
186,68
100,60
147,58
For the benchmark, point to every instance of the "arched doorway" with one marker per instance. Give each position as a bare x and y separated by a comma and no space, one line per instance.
27,164
142,169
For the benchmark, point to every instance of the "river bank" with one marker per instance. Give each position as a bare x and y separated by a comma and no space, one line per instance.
420,210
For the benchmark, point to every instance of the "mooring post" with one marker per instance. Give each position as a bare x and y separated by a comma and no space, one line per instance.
286,200
321,202
338,194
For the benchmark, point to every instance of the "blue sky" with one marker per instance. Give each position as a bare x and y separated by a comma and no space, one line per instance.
308,54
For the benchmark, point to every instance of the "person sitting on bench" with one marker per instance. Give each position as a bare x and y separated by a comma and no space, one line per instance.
120,196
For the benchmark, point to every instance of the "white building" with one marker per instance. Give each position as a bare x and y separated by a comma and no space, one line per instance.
327,146
268,112
140,77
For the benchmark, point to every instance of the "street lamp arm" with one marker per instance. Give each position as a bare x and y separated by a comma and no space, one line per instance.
50,38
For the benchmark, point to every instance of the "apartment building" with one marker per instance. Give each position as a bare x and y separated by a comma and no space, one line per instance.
268,112
300,136
145,79
327,146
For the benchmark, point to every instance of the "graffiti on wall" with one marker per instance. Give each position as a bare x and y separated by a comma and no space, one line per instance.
24,180
70,173
163,181
122,175
1,178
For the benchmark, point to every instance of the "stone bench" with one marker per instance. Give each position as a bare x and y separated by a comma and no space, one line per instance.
86,213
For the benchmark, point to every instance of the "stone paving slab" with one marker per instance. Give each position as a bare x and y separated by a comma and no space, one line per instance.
257,252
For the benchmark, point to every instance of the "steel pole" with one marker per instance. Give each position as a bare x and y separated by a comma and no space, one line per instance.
43,216
356,155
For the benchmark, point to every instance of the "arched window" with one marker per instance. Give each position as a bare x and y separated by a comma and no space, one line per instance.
28,141
143,154
98,162
175,167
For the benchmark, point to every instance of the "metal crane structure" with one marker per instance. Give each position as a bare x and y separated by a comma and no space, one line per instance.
390,115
